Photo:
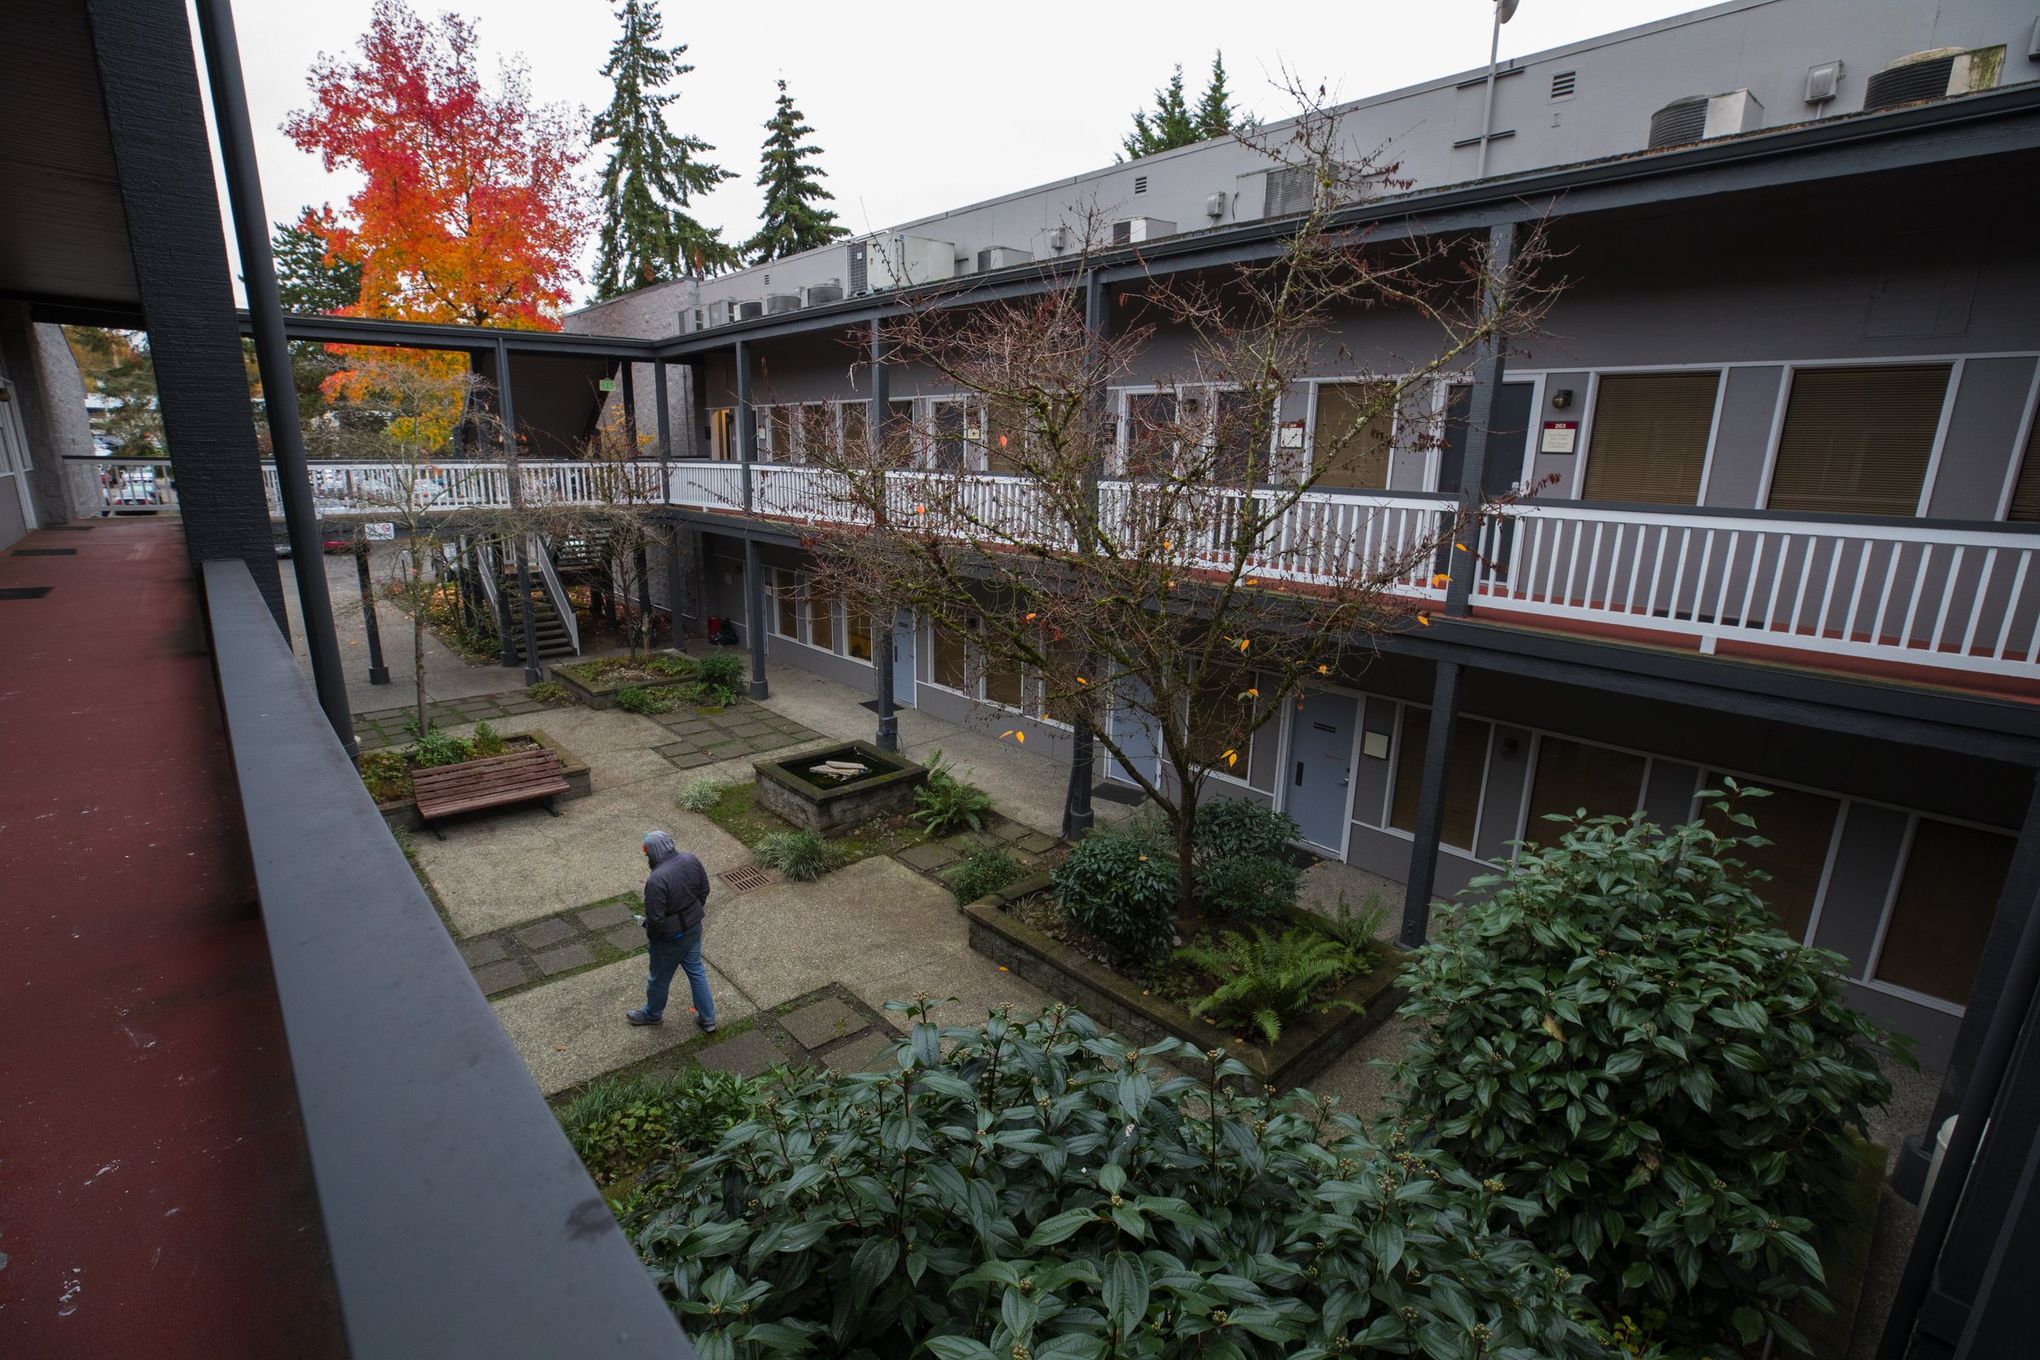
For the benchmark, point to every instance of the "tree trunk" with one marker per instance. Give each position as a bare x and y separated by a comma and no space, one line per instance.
418,643
1186,853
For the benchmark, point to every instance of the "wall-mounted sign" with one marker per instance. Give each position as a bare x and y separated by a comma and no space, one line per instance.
1560,436
379,533
1292,434
605,384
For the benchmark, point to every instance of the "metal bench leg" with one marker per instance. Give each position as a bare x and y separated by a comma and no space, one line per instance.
437,834
550,808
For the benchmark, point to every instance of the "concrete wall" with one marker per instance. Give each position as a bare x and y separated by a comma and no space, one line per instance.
48,402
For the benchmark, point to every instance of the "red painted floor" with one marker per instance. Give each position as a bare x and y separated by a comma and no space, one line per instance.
155,1197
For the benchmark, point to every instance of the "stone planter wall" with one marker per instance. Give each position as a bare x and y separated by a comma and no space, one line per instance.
404,812
828,811
1309,1043
603,694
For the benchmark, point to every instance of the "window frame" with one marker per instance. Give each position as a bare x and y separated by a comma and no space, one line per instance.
1592,410
1875,954
1395,750
1396,430
1928,475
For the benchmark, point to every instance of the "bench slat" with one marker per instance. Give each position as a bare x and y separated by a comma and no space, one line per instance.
494,781
450,807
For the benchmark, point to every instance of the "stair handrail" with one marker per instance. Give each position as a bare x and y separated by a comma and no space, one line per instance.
486,553
561,604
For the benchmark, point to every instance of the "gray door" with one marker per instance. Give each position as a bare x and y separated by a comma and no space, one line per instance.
1319,793
903,662
1134,732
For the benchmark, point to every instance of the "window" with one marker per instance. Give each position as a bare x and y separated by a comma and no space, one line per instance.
1649,440
856,423
1148,432
786,599
1800,827
1352,435
821,615
722,433
1002,684
858,629
817,440
779,433
951,425
1563,83
1005,423
1464,776
1239,437
1941,915
1223,720
946,666
1573,775
1857,440
2025,504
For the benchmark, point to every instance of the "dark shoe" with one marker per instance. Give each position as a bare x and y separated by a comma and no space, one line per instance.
641,1016
706,1027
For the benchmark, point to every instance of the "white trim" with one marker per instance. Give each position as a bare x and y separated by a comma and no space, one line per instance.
1775,437
1584,445
1827,873
2018,458
1856,361
1933,469
1875,953
1713,437
1286,751
1892,989
1402,707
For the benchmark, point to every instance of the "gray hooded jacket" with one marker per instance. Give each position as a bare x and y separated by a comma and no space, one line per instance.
677,890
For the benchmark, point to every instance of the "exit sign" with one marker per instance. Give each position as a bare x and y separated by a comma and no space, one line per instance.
607,384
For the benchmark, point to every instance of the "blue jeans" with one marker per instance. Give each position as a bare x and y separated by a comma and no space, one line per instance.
682,951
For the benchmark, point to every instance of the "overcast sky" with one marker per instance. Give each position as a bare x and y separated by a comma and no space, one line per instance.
923,109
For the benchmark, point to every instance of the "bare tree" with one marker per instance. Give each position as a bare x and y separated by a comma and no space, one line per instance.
1179,562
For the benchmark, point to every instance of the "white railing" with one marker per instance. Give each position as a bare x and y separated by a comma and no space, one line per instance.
1899,591
132,484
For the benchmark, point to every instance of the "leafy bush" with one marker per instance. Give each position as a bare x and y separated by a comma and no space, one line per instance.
439,748
945,804
1269,979
721,670
618,1125
1618,1029
701,795
1248,887
486,741
386,775
638,699
1232,828
802,856
1119,887
672,665
983,874
1040,1190
549,692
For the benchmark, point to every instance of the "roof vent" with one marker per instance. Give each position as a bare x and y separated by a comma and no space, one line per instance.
1562,83
1823,82
1289,190
1699,117
1214,204
1937,74
1140,184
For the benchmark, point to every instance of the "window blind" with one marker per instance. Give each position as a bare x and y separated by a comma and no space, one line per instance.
1857,440
1463,776
1350,457
1799,827
1649,440
1572,775
1942,913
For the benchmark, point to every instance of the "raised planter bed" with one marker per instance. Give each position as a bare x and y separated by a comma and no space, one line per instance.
1309,1043
403,812
788,789
601,693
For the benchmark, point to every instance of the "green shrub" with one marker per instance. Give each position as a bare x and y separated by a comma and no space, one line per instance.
440,748
487,741
1120,887
802,856
945,804
1617,1029
1269,980
551,693
701,795
386,775
1357,930
983,874
1248,887
618,1125
672,665
721,670
1228,828
1034,1188
638,699
713,696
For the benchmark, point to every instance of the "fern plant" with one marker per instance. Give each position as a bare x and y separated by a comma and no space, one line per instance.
1269,979
802,856
945,804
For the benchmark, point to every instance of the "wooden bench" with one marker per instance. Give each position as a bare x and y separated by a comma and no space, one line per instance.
496,781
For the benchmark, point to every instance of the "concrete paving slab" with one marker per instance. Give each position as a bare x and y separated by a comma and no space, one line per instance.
573,1030
629,937
749,1054
822,1023
500,976
858,1055
544,934
563,959
608,914
965,987
475,953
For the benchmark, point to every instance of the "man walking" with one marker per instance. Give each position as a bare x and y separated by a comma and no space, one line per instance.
676,894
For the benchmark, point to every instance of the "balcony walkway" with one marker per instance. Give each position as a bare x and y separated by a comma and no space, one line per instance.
158,1200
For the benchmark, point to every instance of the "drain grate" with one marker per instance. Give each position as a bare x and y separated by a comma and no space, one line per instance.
23,592
45,552
744,879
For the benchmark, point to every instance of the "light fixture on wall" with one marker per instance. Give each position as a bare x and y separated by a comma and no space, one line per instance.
1561,399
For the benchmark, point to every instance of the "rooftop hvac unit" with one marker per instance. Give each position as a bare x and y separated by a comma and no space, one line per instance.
1823,82
821,294
1934,75
1001,257
1134,230
775,303
1700,117
750,311
881,262
1059,238
722,312
1214,205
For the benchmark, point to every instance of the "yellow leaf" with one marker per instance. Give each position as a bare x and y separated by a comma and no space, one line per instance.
1324,670
1552,1027
1245,643
1424,620
1020,737
1143,859
1461,547
1249,581
1253,693
1441,579
1232,757
1032,617
1007,733
920,509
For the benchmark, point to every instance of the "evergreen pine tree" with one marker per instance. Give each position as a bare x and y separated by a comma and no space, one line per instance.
1214,116
792,219
652,174
309,277
1170,125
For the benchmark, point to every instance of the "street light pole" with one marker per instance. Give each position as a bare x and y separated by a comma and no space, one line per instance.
1504,11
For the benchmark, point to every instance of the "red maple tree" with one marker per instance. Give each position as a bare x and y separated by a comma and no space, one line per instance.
470,210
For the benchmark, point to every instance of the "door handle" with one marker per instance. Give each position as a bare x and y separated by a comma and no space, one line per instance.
1344,782
1299,774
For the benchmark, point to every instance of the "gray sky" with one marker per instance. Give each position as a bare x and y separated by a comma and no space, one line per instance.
924,109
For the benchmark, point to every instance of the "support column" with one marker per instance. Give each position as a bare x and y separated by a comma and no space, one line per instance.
520,539
877,427
630,430
1077,812
1416,921
747,423
378,673
754,576
1986,993
1488,366
662,405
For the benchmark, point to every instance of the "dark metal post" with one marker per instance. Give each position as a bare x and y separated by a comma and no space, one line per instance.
1416,919
272,357
754,575
1488,365
378,673
630,430
876,428
1077,811
514,476
1986,993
